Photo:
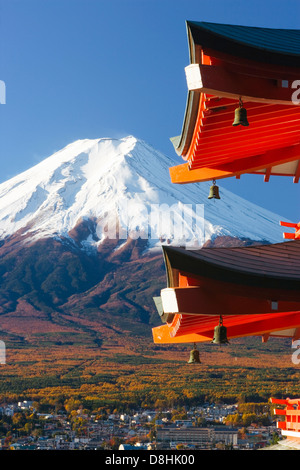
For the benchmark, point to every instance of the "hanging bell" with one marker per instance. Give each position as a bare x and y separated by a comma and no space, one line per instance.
214,191
240,116
194,356
220,334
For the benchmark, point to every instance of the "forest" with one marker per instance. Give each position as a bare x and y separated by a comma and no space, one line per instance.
135,373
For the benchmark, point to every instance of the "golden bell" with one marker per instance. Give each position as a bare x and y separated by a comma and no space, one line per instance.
194,356
214,192
220,334
240,117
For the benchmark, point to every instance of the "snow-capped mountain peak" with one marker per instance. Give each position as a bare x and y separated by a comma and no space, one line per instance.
123,185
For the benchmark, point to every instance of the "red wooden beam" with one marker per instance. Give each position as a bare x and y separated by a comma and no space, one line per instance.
268,158
297,174
188,328
291,236
218,81
181,174
235,133
279,401
248,66
267,175
200,300
210,155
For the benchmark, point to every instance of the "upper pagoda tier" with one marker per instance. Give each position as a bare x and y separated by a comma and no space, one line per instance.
239,66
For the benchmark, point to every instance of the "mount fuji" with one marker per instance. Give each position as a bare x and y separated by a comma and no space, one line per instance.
91,184
81,235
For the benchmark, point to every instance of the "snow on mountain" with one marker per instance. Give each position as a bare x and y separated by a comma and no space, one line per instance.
123,186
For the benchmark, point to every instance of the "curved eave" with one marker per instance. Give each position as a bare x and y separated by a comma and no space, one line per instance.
182,142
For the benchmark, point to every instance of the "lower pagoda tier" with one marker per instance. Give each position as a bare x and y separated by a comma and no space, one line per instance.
290,425
255,289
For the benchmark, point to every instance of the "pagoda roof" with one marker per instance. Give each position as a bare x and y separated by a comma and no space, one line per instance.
280,46
274,265
230,65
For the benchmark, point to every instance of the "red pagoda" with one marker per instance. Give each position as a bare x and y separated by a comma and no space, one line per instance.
242,117
290,425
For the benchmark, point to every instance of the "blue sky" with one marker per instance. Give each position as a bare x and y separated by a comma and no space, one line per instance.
78,69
